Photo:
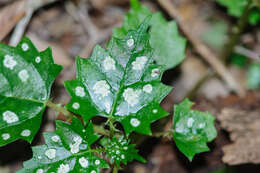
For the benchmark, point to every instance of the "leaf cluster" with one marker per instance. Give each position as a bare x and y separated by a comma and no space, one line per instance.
121,83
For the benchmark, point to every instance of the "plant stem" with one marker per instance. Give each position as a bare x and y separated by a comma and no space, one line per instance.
237,31
101,130
167,134
115,169
111,127
61,109
69,115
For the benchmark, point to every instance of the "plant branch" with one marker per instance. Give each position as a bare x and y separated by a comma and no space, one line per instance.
164,134
115,169
236,34
69,115
61,109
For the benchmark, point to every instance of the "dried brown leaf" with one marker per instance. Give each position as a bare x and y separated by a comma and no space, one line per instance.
244,128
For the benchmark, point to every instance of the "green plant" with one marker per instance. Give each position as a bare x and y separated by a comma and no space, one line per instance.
236,7
121,83
168,45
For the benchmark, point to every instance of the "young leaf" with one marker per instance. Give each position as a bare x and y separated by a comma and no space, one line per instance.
120,151
168,45
235,7
192,129
68,149
26,76
121,83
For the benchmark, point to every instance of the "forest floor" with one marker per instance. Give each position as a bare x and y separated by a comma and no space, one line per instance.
73,31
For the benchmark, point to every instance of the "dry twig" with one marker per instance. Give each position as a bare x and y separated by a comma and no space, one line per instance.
30,7
247,53
80,14
202,49
9,20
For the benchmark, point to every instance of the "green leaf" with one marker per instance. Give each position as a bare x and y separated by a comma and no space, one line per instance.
253,76
168,45
121,83
254,16
132,19
239,60
120,151
192,129
68,149
26,76
235,7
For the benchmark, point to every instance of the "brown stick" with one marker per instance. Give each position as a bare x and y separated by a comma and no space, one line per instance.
30,7
247,53
203,50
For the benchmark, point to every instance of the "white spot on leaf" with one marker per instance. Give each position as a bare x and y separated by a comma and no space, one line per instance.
135,122
155,111
190,122
139,63
10,117
23,75
93,171
55,138
76,105
97,162
5,136
83,162
101,87
74,148
131,96
38,59
25,46
77,139
26,133
80,91
122,156
202,125
130,43
107,106
148,88
155,72
9,62
39,171
109,63
64,168
179,129
50,153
